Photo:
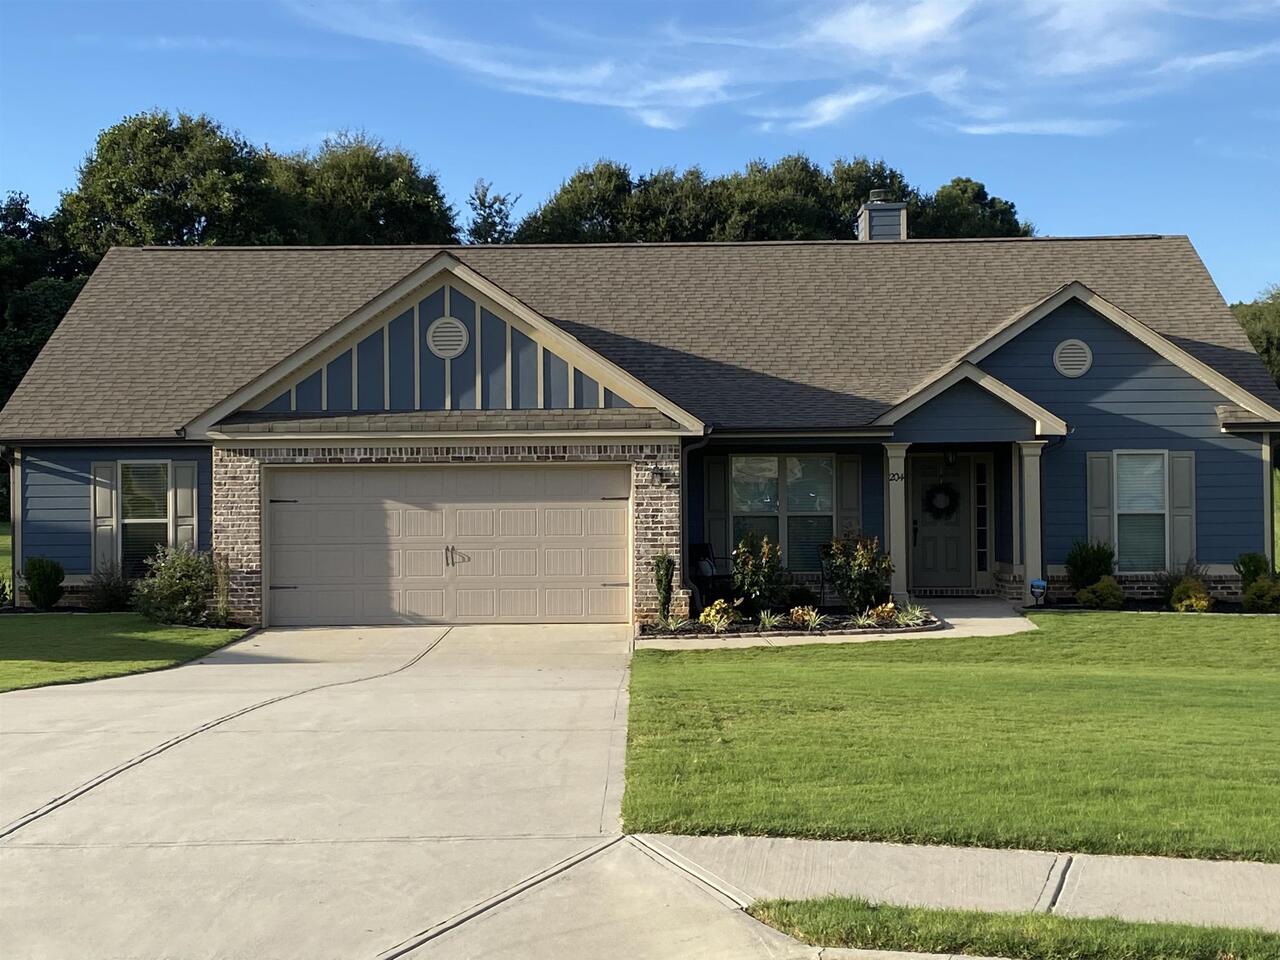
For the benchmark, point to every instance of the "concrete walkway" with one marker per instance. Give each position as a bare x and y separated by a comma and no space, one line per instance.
960,616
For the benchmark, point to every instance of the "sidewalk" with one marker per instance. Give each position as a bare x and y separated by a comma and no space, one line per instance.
1221,893
961,617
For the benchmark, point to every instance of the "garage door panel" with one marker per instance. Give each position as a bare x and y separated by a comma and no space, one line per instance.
518,561
423,523
563,521
424,563
531,543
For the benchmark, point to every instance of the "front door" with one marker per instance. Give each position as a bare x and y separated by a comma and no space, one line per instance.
941,523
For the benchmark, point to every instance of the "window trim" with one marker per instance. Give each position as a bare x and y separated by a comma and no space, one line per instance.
783,512
1116,511
170,520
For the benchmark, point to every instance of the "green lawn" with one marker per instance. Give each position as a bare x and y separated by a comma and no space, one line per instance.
1104,733
843,922
45,648
6,551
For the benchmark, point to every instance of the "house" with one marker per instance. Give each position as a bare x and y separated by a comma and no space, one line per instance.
413,434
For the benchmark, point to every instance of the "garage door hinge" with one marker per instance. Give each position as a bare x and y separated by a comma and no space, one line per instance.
273,500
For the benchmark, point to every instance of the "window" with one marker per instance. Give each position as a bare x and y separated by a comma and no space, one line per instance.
1141,523
790,500
144,513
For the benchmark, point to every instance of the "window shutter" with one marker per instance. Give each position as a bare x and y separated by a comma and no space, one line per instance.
848,495
185,473
1099,498
104,515
715,474
1182,508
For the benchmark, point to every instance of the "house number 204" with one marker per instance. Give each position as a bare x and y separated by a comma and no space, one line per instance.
897,477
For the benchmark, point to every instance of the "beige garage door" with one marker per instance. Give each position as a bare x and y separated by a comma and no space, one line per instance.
367,545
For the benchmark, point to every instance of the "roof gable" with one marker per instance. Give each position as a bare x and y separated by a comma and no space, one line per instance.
381,358
1045,422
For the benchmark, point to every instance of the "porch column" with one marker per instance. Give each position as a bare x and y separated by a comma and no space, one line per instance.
1032,551
895,507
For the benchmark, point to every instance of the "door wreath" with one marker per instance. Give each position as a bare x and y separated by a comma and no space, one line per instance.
941,501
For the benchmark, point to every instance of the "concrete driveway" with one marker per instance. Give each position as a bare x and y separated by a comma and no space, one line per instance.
377,792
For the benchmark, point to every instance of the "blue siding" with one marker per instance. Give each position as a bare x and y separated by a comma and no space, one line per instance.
555,382
1004,505
872,491
493,357
369,356
56,489
339,375
431,367
524,372
965,413
279,404
308,392
586,391
462,368
400,361
1132,398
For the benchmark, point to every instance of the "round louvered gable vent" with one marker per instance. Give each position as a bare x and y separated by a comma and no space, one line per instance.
1072,358
447,337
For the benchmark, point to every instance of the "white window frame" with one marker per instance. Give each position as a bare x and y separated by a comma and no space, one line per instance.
170,505
783,512
1116,511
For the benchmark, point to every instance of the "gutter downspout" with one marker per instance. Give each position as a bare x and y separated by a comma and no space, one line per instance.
685,450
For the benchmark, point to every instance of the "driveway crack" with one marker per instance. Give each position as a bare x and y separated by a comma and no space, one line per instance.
66,798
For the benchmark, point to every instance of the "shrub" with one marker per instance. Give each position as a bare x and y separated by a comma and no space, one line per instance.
757,571
864,620
858,570
1251,566
912,615
6,592
221,592
177,588
884,614
1191,596
664,567
1263,596
1087,563
108,591
720,616
1167,580
808,619
1106,594
44,582
769,620
674,624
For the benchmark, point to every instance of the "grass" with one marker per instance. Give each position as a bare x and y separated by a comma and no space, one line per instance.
41,649
844,922
6,551
1099,732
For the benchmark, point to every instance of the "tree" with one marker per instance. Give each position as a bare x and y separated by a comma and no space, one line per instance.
1261,322
590,207
792,199
32,314
963,208
157,179
356,190
490,215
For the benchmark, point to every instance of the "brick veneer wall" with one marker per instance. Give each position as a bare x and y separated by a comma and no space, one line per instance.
655,503
1146,586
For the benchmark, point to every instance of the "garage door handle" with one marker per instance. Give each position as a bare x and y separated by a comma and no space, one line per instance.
622,584
623,497
273,587
282,501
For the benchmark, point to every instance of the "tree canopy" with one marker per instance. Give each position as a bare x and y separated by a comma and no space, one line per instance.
792,199
1261,322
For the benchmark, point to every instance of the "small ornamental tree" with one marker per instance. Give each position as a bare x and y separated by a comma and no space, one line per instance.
860,572
757,571
664,566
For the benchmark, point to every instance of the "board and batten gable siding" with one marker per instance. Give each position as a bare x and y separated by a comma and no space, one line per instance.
377,371
964,413
1131,399
57,511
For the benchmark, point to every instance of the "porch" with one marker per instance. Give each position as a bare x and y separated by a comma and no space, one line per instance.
959,519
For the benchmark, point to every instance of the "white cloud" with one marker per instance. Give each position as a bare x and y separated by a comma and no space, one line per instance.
1061,127
880,28
833,107
1219,59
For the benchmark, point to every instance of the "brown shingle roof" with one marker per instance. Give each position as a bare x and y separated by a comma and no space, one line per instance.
742,335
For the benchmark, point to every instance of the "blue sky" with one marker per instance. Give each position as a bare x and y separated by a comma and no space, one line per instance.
1094,116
